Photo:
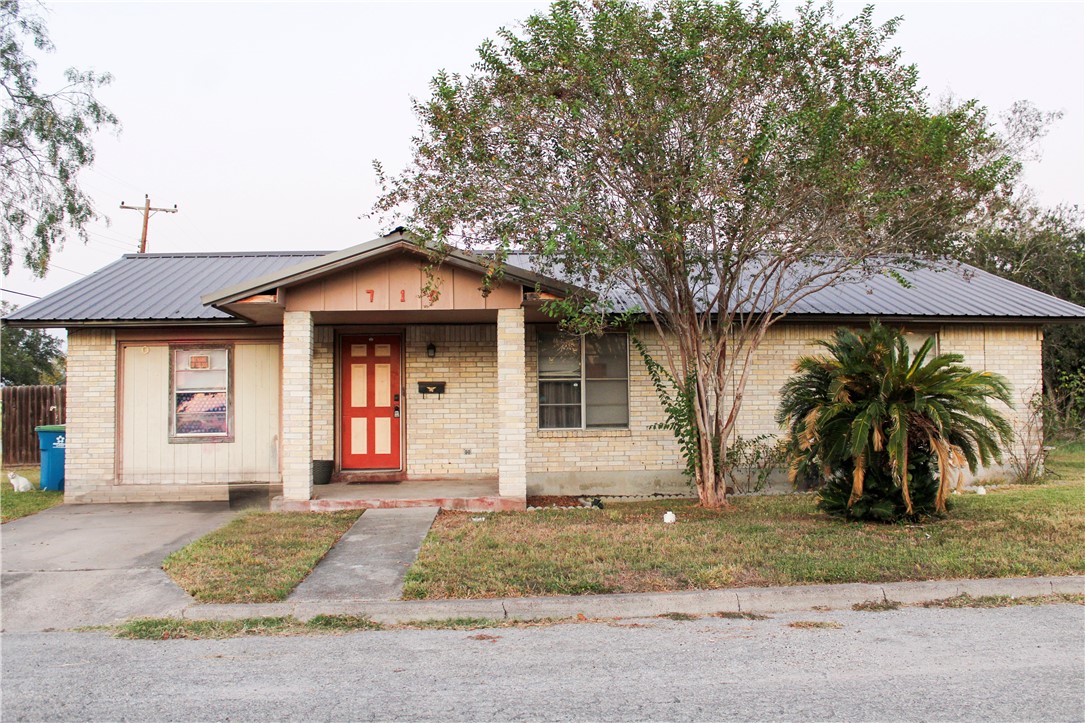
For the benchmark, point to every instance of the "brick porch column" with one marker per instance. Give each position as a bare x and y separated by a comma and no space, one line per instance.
297,401
511,403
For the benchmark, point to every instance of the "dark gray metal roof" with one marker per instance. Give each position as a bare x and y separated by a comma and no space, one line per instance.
943,291
155,287
167,288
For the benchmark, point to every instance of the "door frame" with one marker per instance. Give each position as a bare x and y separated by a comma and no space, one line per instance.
337,377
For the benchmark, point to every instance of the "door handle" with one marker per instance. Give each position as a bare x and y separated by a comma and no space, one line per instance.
396,412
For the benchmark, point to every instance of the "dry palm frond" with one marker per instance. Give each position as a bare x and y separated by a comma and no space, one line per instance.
857,477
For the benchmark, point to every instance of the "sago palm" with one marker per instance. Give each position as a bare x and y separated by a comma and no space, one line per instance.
888,431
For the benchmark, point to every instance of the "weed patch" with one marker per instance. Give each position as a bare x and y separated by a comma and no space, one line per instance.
815,625
877,606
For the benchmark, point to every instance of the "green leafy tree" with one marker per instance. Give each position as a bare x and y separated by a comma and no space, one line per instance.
29,356
1044,249
45,141
887,430
716,163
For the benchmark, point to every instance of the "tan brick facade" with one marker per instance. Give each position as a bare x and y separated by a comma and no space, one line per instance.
604,461
512,408
91,434
297,405
324,393
487,422
456,433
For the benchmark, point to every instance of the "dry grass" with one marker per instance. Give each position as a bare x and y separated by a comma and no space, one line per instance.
14,505
785,540
259,557
1005,601
815,625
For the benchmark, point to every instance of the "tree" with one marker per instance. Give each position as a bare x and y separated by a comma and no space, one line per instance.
716,163
45,141
29,356
1043,249
887,431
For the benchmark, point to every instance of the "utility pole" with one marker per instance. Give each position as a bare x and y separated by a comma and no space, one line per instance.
147,211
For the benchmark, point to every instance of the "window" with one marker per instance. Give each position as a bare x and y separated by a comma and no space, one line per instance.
583,382
200,394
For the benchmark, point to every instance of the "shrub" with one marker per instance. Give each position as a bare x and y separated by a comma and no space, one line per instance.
889,430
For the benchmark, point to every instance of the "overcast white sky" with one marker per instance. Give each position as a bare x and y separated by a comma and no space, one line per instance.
261,120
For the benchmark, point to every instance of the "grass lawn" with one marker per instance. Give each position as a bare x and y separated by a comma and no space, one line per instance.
259,557
14,505
1068,462
784,540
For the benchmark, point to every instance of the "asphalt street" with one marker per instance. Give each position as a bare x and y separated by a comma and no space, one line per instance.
1021,663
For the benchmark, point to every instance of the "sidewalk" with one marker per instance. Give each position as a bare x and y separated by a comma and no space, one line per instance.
695,602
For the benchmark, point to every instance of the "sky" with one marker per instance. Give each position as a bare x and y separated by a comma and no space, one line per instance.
261,121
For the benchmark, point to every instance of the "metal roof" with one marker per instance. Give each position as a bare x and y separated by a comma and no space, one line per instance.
155,287
144,288
948,290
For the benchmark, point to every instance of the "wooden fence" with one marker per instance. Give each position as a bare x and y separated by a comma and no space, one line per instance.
23,409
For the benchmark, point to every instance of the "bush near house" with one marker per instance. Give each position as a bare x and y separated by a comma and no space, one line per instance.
886,430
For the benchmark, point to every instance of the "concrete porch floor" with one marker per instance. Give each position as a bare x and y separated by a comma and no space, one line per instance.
476,495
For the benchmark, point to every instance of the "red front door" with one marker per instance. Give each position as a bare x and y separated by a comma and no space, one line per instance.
371,416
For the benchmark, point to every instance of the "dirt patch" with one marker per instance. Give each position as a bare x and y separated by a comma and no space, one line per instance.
553,501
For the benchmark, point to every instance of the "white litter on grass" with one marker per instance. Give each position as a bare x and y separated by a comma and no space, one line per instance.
669,517
981,490
20,483
478,519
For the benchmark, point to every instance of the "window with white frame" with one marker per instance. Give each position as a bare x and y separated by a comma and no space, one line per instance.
200,393
583,381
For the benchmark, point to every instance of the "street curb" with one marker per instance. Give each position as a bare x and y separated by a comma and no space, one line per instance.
693,602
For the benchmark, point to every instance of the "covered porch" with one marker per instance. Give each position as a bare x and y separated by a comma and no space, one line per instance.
412,389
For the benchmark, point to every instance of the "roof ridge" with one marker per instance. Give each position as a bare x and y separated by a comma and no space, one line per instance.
217,254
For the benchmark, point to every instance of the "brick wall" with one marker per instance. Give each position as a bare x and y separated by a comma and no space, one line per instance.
324,393
455,434
642,460
91,431
297,407
604,461
512,407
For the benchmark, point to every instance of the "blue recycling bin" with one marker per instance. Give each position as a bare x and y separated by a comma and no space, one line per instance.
52,443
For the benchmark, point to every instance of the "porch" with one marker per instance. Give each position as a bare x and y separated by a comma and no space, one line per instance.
480,494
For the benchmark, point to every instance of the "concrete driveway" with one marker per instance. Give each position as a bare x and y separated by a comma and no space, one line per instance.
77,565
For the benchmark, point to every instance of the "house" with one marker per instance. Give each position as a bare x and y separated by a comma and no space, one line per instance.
191,373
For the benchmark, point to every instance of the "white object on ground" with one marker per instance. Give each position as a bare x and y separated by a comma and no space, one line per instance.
981,490
669,517
20,483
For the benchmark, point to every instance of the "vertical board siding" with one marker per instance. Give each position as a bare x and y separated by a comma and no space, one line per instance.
23,409
148,457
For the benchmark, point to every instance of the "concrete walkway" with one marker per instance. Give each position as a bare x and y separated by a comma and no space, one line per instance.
79,565
631,605
370,561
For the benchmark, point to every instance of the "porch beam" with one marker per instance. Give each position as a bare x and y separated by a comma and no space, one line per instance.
512,403
297,406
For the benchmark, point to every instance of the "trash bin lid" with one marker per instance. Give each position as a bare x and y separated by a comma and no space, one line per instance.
50,428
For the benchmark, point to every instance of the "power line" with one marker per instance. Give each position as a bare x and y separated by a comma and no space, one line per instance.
9,291
70,271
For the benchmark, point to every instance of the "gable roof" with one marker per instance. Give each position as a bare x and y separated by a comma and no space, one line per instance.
153,288
398,240
947,290
143,289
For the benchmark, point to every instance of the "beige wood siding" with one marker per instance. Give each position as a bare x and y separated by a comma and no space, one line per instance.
148,457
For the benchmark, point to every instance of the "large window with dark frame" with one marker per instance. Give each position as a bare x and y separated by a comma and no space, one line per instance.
583,381
200,393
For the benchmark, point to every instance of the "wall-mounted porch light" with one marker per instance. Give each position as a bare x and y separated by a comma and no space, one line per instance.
431,350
